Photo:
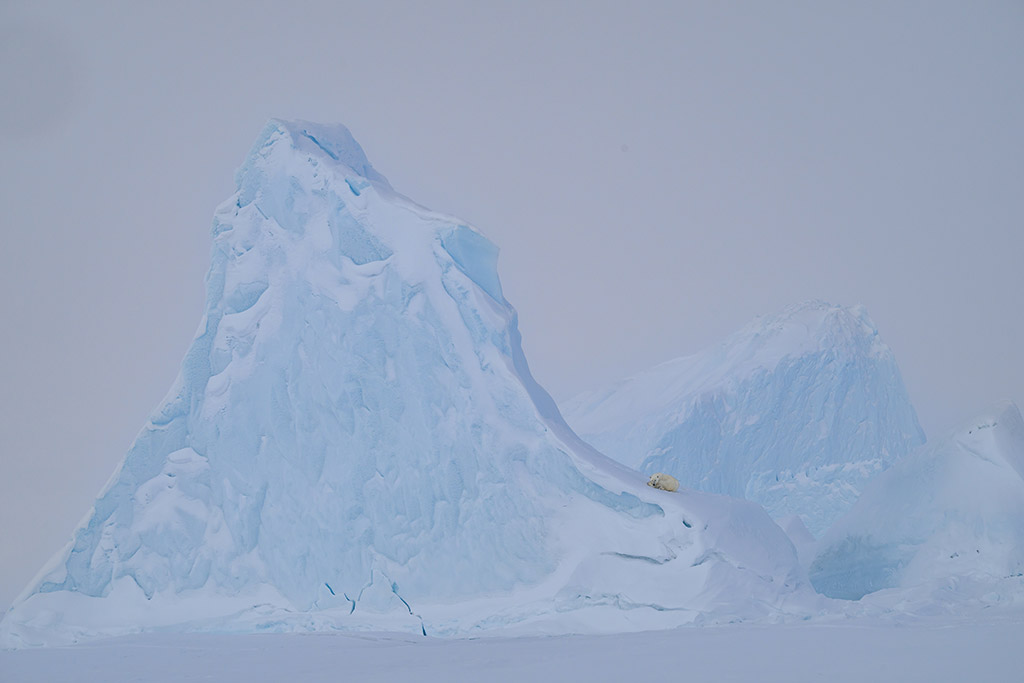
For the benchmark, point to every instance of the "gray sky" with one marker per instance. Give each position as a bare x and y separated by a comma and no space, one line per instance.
656,174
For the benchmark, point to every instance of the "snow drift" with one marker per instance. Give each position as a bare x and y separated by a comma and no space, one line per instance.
355,442
797,412
947,521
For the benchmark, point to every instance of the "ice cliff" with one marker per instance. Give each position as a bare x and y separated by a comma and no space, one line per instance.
946,522
355,442
797,412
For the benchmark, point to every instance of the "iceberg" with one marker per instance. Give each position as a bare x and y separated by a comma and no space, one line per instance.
946,523
355,442
797,412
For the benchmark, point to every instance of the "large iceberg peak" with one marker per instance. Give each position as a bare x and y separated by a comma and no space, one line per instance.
355,441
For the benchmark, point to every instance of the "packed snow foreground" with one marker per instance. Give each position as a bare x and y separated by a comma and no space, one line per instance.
355,442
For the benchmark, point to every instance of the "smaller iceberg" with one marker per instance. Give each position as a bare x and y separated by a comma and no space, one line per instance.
796,411
949,516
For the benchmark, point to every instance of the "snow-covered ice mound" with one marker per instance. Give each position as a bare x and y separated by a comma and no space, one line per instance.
944,525
797,412
355,442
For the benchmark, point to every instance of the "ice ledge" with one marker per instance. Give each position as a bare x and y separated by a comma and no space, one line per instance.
997,434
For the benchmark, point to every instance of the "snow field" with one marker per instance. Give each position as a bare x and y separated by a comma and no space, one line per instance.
929,652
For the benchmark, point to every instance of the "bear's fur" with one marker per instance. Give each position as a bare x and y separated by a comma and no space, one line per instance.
665,482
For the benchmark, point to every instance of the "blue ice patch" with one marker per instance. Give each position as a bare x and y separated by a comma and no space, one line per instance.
476,256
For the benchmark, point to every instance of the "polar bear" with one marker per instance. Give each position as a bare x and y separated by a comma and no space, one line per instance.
665,482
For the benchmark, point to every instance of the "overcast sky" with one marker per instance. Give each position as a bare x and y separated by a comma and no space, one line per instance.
656,175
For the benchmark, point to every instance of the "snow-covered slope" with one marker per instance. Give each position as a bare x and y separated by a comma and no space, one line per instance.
946,521
796,411
355,441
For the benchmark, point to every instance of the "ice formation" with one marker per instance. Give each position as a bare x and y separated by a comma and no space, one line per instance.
796,411
355,442
947,522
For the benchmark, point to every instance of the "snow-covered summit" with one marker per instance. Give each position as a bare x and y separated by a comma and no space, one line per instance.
795,411
313,139
355,441
811,326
